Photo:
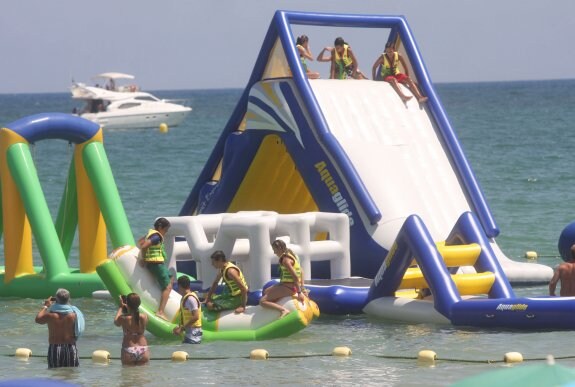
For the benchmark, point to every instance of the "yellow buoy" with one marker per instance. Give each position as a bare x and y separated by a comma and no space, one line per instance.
180,356
426,356
341,351
513,357
23,353
259,354
163,128
101,356
531,254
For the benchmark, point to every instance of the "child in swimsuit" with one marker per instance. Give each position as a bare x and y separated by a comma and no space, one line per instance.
135,349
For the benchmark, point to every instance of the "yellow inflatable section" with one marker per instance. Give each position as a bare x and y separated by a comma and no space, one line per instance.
454,256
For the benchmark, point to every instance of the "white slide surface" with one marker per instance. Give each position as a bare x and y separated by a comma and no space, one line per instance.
396,150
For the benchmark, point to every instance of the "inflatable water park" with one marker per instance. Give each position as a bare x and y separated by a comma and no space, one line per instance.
373,194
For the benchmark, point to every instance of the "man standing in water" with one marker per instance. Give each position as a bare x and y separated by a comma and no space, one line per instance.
65,324
565,273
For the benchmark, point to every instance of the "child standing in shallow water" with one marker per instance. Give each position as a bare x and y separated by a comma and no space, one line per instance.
190,324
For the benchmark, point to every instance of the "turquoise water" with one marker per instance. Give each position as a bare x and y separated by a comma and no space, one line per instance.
517,138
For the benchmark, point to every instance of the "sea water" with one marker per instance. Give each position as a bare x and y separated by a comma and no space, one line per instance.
518,138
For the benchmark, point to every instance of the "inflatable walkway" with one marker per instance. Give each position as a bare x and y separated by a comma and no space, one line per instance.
295,145
419,282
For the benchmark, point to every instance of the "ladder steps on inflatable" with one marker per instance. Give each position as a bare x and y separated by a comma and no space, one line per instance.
453,256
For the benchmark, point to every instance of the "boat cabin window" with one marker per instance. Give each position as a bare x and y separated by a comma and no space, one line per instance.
129,105
146,98
94,106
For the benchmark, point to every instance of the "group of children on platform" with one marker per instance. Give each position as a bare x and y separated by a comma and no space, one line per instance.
344,65
233,297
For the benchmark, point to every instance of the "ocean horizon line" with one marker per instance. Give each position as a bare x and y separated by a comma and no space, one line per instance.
518,81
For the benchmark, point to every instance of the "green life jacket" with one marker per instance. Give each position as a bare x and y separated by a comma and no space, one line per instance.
155,253
390,68
233,287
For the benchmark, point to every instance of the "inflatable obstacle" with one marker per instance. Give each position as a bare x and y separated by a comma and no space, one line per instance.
90,203
246,236
420,282
122,275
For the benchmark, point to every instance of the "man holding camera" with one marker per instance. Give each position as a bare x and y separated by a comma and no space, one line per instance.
65,324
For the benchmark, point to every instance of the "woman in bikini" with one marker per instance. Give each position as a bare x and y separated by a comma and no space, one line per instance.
291,279
135,349
302,45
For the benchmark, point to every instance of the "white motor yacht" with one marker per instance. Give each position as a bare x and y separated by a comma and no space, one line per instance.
115,106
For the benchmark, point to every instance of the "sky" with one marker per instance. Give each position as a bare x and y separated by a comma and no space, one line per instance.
213,44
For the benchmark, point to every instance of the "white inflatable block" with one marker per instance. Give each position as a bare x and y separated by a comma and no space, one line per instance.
245,237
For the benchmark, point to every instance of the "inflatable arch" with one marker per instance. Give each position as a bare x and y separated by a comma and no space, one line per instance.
294,145
89,203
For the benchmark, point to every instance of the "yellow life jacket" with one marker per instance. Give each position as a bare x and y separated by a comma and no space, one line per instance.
231,284
186,315
285,274
345,58
155,253
387,69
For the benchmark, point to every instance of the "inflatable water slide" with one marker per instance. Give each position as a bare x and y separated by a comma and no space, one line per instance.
294,145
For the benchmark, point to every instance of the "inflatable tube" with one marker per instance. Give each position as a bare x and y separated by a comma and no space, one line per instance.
122,275
467,284
459,255
527,313
339,297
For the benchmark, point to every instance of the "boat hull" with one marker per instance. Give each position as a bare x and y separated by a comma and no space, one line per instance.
137,120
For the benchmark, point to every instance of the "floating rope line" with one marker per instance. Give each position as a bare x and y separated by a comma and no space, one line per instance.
261,354
152,358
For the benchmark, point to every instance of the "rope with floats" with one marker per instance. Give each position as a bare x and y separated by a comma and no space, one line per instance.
424,357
